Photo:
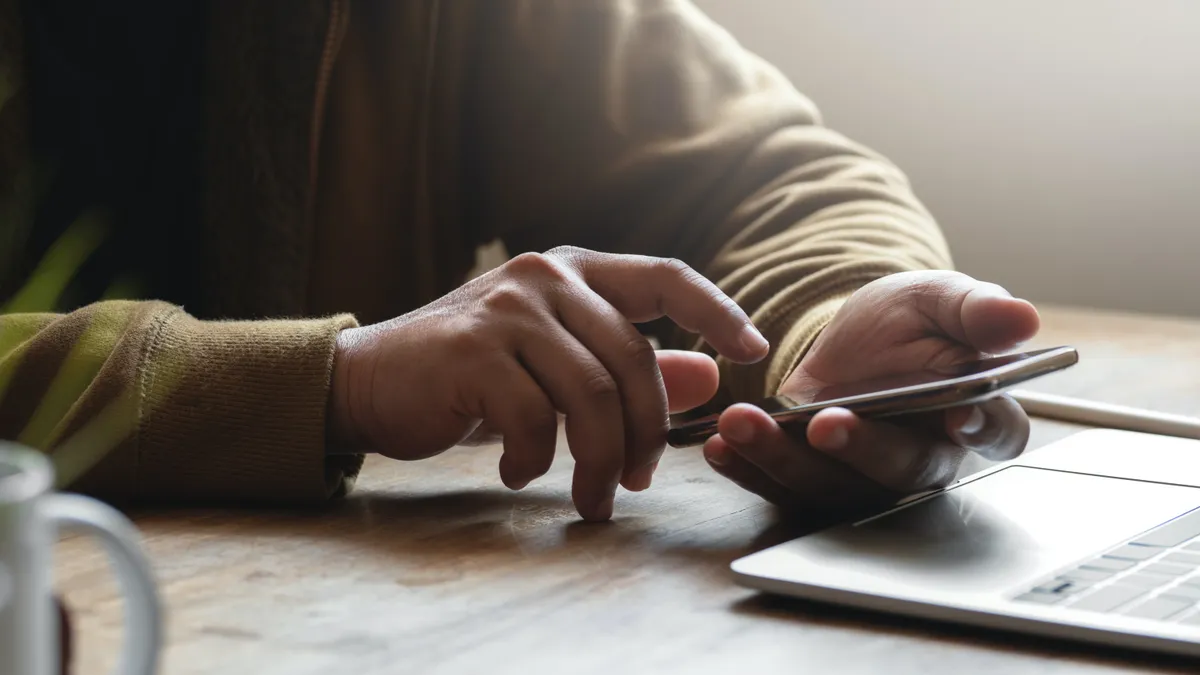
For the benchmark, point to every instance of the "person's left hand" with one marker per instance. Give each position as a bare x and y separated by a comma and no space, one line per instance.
841,463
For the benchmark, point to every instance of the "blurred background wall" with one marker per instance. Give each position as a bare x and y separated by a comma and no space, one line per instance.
1057,141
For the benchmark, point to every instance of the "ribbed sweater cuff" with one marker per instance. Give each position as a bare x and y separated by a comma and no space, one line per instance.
235,412
796,342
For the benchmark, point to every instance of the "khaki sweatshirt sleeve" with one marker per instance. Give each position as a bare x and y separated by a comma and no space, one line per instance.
138,402
643,127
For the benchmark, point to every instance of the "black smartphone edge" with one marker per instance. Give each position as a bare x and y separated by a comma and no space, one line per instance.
691,434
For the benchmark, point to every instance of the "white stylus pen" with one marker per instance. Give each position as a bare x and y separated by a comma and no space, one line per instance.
1093,413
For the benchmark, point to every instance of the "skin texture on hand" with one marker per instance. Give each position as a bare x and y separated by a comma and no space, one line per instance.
542,335
840,464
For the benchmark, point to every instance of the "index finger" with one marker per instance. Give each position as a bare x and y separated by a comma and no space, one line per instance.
644,288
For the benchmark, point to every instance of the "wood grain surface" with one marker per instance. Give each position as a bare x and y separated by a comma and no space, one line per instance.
434,567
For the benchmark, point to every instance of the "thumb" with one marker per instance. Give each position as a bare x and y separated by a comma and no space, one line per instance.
690,378
981,315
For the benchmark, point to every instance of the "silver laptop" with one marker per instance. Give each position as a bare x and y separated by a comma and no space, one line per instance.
1093,538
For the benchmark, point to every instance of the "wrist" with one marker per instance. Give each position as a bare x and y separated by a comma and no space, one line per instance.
799,341
343,434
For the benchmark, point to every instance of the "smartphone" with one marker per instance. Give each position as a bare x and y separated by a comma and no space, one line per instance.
920,391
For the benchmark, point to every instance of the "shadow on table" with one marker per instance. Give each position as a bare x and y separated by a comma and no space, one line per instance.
445,532
500,526
503,526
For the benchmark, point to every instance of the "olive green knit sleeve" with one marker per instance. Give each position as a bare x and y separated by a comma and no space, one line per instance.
643,127
138,402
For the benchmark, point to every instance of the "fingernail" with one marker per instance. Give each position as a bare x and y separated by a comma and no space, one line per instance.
974,422
753,341
640,480
837,439
739,430
1027,302
717,458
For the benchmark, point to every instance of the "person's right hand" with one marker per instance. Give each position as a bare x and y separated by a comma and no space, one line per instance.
543,334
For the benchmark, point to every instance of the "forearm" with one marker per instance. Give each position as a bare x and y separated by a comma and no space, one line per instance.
838,218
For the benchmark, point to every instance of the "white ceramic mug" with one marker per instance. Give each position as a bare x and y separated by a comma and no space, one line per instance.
30,518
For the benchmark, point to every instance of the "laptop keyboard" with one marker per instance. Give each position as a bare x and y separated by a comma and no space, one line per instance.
1156,576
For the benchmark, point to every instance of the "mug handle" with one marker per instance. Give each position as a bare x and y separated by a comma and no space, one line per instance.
143,612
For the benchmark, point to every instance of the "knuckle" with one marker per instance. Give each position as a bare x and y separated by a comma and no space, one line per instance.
642,355
681,270
943,289
564,251
571,256
542,265
928,280
727,304
507,298
599,386
688,274
676,267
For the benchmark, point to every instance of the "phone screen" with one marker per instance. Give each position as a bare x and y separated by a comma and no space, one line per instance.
1008,369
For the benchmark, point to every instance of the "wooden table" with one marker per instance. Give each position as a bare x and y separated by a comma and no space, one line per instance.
435,567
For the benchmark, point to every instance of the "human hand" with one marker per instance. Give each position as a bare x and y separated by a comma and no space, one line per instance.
841,463
542,334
